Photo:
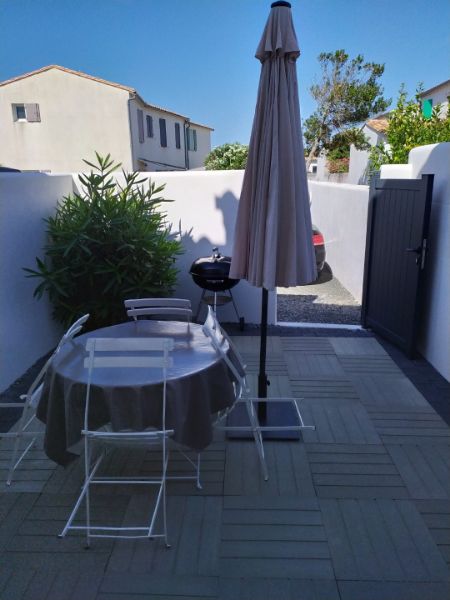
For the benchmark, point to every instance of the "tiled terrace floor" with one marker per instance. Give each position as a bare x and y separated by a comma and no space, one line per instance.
359,510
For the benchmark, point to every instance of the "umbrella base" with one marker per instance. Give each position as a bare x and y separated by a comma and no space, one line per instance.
279,414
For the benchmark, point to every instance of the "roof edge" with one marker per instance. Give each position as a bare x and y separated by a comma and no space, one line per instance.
72,72
126,88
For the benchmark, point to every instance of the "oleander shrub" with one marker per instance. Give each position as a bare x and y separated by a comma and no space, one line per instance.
109,242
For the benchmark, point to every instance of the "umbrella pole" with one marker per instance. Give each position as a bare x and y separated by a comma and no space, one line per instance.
262,377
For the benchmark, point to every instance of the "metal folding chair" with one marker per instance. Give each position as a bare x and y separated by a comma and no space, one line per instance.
113,353
29,402
177,308
230,354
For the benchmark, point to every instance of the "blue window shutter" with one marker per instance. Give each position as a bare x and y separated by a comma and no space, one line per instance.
32,113
177,135
140,119
195,139
162,133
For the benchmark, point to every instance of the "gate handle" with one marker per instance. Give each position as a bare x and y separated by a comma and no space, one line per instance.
421,252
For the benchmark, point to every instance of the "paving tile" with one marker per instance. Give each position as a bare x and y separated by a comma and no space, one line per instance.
323,388
377,590
17,583
345,422
306,364
348,346
410,426
264,588
159,585
14,517
255,544
378,364
436,515
354,471
387,391
425,469
287,465
314,345
381,540
275,363
251,344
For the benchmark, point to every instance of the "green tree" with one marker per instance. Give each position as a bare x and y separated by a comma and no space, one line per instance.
106,244
409,128
226,157
348,93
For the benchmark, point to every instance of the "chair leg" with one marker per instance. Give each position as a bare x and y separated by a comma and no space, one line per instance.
87,498
22,425
258,438
164,499
199,485
84,489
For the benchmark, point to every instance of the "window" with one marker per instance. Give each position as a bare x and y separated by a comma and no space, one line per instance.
149,120
163,133
26,112
177,135
20,112
140,119
427,108
192,139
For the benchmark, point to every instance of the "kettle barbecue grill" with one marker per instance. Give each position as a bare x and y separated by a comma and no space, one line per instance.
211,274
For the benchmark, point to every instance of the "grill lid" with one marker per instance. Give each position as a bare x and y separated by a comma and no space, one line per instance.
211,272
215,266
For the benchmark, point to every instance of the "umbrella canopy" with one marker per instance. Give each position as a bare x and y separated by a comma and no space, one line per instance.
273,234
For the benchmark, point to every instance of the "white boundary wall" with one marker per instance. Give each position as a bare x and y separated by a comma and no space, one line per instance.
340,212
27,330
434,339
204,210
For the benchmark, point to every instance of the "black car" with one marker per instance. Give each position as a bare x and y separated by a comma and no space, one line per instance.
319,248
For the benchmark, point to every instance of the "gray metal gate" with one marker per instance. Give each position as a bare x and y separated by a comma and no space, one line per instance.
396,247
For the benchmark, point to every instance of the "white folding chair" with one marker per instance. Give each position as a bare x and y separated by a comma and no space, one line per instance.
29,402
230,354
113,353
178,308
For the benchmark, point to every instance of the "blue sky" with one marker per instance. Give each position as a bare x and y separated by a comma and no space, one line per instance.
196,57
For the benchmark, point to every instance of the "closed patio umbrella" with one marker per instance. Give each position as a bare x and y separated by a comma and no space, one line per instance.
273,234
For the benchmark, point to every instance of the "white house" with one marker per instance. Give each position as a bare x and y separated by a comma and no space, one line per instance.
375,132
375,129
437,95
52,118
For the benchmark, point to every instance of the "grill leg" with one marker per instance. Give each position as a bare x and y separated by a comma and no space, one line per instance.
240,319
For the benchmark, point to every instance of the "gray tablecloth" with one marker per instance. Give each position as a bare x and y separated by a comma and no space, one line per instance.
198,386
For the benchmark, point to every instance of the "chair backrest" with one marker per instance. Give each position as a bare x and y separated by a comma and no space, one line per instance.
148,353
222,343
34,391
73,330
179,308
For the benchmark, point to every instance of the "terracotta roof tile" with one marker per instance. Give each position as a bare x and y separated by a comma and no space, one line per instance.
381,124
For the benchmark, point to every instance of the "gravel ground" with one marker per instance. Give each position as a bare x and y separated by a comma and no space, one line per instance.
324,301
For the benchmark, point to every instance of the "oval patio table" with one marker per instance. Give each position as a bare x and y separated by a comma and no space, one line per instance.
198,385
